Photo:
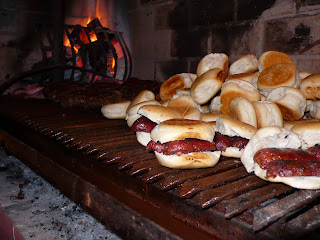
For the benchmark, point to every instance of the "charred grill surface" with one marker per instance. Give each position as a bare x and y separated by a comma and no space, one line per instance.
221,202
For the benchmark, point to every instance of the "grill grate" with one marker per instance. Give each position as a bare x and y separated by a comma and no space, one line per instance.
227,188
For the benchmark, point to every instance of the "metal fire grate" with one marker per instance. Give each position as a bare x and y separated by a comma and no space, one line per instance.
224,201
95,55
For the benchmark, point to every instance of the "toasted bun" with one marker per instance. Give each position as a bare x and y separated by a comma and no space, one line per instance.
143,96
232,152
132,118
270,58
291,102
315,109
237,88
268,114
207,85
268,137
289,124
131,110
215,104
213,60
158,114
212,116
243,110
192,114
204,108
143,138
180,129
190,160
278,75
232,127
182,91
183,101
308,132
310,86
304,74
248,77
115,110
246,64
169,87
276,137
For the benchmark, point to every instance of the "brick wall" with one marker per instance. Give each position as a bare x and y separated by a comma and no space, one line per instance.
170,37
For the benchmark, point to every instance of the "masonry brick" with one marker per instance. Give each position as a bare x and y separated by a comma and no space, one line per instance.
293,35
252,9
189,44
162,16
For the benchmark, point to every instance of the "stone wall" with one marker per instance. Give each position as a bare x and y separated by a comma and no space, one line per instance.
170,37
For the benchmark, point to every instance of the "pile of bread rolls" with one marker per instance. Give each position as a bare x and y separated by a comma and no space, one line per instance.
234,99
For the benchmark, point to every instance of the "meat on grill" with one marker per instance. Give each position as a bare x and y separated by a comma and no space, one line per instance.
224,141
182,146
143,124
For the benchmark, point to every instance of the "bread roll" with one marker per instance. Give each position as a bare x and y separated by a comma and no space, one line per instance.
132,118
278,75
289,124
291,102
182,91
232,127
158,114
246,64
169,87
115,110
237,88
192,114
315,109
207,85
310,86
309,132
304,74
183,101
268,114
212,116
243,110
134,108
204,108
143,138
143,96
270,58
215,104
249,77
213,60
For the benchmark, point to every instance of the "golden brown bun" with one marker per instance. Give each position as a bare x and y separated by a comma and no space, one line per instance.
304,74
213,60
192,114
189,161
244,76
270,58
157,113
246,64
183,101
268,114
143,96
212,116
182,91
289,124
132,118
215,104
278,75
237,88
276,137
309,132
131,110
315,109
204,108
291,102
115,110
310,86
143,138
169,87
232,127
243,110
180,129
207,85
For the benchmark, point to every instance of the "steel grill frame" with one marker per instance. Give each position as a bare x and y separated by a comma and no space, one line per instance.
221,202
